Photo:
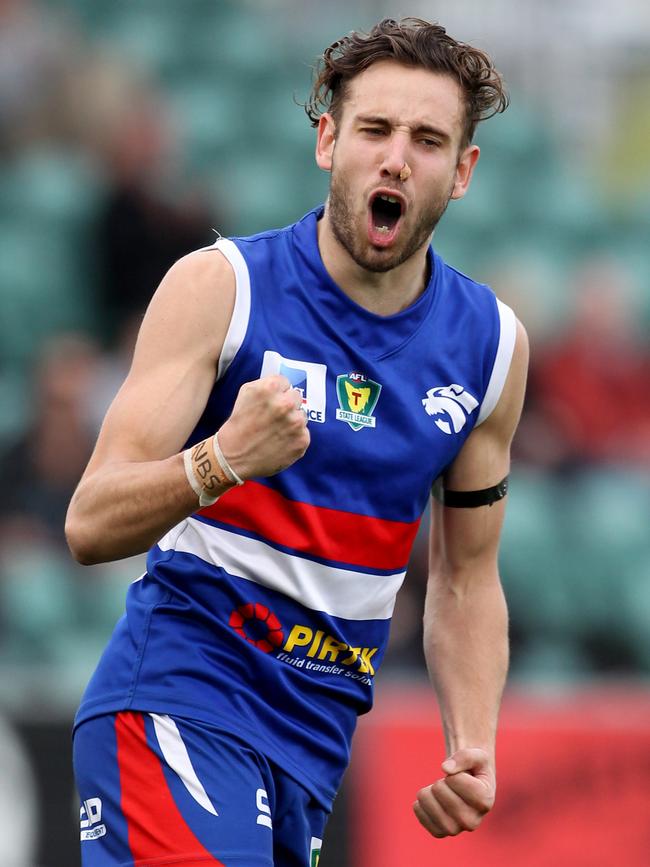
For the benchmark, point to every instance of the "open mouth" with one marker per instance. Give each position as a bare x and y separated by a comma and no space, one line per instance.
384,217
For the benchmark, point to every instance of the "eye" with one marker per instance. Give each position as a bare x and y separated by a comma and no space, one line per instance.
430,142
375,131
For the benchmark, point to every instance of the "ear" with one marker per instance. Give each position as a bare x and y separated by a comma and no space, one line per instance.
325,140
464,170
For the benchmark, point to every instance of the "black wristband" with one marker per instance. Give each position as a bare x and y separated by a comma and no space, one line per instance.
469,499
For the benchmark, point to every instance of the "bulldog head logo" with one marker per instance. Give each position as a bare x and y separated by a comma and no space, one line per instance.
452,403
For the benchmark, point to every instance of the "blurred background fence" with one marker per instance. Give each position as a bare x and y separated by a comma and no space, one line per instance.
129,131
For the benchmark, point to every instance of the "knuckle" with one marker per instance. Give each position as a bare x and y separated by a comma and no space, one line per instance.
270,384
472,823
486,803
297,418
450,827
282,405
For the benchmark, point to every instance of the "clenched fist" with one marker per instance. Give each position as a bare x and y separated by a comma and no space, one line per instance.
267,429
458,801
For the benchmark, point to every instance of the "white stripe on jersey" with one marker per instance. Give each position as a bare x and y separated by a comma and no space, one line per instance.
242,310
336,591
507,335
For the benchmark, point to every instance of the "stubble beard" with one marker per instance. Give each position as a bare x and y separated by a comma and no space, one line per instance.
356,244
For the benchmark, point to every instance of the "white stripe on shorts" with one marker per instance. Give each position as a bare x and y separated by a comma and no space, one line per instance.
178,759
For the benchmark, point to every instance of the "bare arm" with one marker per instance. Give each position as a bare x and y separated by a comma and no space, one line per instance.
465,621
135,487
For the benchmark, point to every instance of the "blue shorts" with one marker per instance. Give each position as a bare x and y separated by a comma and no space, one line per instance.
158,790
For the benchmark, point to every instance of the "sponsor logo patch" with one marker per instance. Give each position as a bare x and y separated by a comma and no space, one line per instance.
305,376
358,398
306,648
90,816
450,406
258,625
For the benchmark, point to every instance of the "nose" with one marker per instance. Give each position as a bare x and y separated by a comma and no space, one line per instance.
395,156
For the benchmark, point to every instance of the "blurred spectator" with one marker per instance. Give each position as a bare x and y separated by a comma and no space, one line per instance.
43,467
623,167
589,396
39,58
150,216
59,90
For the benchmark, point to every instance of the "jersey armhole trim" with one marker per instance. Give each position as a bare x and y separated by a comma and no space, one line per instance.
507,335
242,309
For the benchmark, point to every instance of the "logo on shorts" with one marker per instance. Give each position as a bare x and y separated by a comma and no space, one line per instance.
305,376
451,402
358,398
264,810
90,815
314,851
258,625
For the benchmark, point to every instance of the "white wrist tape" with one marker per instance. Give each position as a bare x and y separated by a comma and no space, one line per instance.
204,498
200,468
225,466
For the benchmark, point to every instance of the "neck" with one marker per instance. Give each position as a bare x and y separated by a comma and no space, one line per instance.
383,293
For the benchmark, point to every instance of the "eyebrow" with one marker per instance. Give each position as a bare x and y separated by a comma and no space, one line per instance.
420,128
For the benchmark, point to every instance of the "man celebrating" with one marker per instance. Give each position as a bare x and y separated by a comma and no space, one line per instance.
294,397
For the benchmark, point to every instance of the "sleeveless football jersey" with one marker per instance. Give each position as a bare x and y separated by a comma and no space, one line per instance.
268,612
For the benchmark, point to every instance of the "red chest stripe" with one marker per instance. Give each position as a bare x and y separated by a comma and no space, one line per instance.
326,533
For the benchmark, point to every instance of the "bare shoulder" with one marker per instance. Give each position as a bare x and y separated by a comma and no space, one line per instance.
191,309
471,535
197,273
174,364
485,457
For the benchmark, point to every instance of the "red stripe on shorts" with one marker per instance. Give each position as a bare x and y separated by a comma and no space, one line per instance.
158,833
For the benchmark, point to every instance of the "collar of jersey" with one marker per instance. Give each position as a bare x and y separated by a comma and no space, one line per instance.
375,335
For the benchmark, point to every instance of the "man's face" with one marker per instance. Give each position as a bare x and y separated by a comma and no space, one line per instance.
392,115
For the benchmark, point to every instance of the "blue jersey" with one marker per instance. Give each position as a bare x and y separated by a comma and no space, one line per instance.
268,612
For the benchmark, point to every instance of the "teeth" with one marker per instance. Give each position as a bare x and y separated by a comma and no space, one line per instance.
384,230
391,199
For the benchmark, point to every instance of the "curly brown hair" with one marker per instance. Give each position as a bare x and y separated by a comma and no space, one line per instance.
412,42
